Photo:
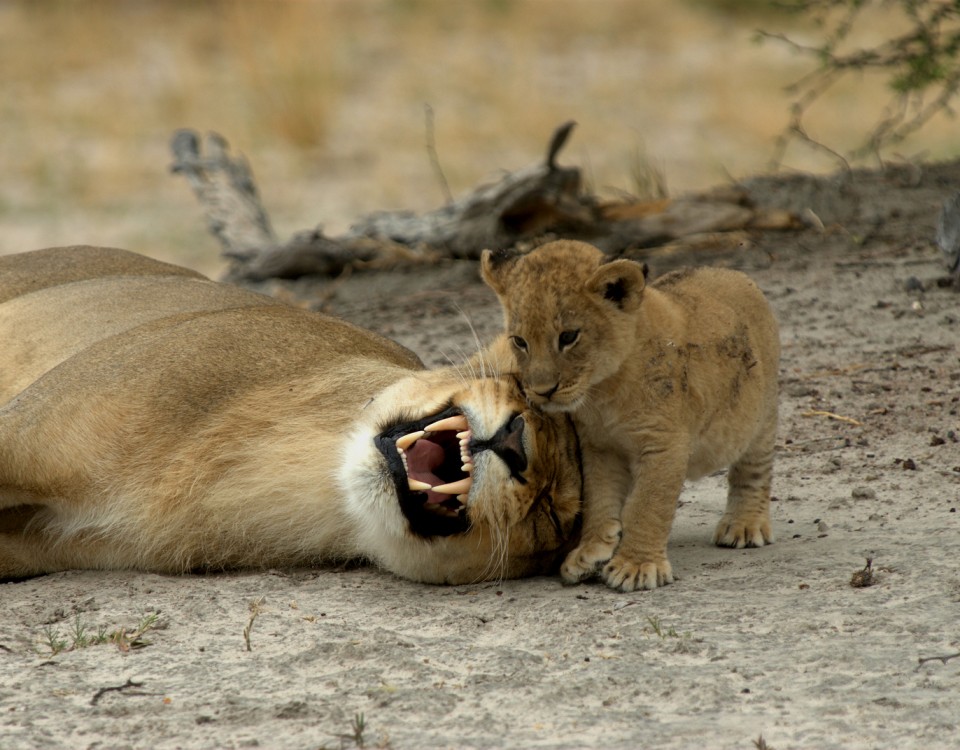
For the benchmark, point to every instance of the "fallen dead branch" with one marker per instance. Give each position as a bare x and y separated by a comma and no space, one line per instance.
546,199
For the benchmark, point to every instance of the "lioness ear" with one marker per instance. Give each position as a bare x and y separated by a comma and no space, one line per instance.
620,282
494,265
497,358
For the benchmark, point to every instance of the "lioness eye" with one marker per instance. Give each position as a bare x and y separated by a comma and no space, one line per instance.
568,339
519,342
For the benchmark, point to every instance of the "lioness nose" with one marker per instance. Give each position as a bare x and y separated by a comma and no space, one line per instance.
507,443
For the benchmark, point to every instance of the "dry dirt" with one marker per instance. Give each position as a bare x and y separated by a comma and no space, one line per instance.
773,642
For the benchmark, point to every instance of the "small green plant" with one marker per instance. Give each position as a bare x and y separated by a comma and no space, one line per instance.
355,737
656,627
80,636
54,641
358,725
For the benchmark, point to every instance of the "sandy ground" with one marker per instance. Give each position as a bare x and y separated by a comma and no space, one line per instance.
772,642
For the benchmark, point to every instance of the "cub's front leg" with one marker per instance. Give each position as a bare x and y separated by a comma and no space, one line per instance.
606,481
641,559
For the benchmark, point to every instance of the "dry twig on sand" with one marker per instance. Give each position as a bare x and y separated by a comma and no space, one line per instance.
942,659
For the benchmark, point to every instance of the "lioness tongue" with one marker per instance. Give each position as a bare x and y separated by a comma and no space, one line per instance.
422,458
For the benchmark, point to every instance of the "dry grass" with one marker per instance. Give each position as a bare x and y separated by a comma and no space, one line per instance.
327,99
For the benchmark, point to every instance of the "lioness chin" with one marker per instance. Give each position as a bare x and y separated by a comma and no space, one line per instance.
153,419
666,381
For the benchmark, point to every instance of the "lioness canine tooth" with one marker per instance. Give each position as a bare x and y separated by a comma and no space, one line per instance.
405,441
456,422
417,486
455,488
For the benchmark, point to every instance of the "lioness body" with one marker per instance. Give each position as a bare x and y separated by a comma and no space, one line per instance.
153,419
667,381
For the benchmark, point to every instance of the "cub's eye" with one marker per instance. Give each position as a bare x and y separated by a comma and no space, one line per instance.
568,339
519,342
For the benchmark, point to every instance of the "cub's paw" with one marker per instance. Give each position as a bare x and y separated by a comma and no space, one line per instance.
594,550
739,533
625,575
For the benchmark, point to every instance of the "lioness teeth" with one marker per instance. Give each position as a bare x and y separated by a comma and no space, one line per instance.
461,486
417,486
405,441
467,467
457,422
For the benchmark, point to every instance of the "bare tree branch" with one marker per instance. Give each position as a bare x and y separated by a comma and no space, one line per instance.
919,62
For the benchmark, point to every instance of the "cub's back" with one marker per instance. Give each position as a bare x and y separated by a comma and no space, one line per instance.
707,292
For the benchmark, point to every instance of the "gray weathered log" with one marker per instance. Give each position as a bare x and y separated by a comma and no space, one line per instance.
544,199
225,187
522,204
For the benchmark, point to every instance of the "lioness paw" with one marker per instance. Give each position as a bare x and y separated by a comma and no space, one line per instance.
732,532
624,575
594,550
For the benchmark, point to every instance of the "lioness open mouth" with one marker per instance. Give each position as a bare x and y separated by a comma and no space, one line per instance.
431,462
431,466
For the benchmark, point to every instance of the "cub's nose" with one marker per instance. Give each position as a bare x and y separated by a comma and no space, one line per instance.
546,393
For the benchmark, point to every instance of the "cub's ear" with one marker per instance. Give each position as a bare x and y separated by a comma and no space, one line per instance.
620,282
494,266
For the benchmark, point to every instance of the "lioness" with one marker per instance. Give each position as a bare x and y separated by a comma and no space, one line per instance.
153,419
665,381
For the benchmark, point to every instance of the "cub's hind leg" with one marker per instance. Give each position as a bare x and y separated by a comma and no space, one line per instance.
746,521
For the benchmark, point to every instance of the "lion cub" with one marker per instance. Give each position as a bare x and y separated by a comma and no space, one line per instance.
665,381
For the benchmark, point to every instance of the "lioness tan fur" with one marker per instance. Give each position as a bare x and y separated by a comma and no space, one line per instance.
666,381
153,419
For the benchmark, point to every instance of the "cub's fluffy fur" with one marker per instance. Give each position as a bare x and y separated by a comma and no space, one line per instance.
666,381
156,420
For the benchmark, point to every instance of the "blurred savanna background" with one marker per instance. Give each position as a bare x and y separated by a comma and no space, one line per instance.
333,103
